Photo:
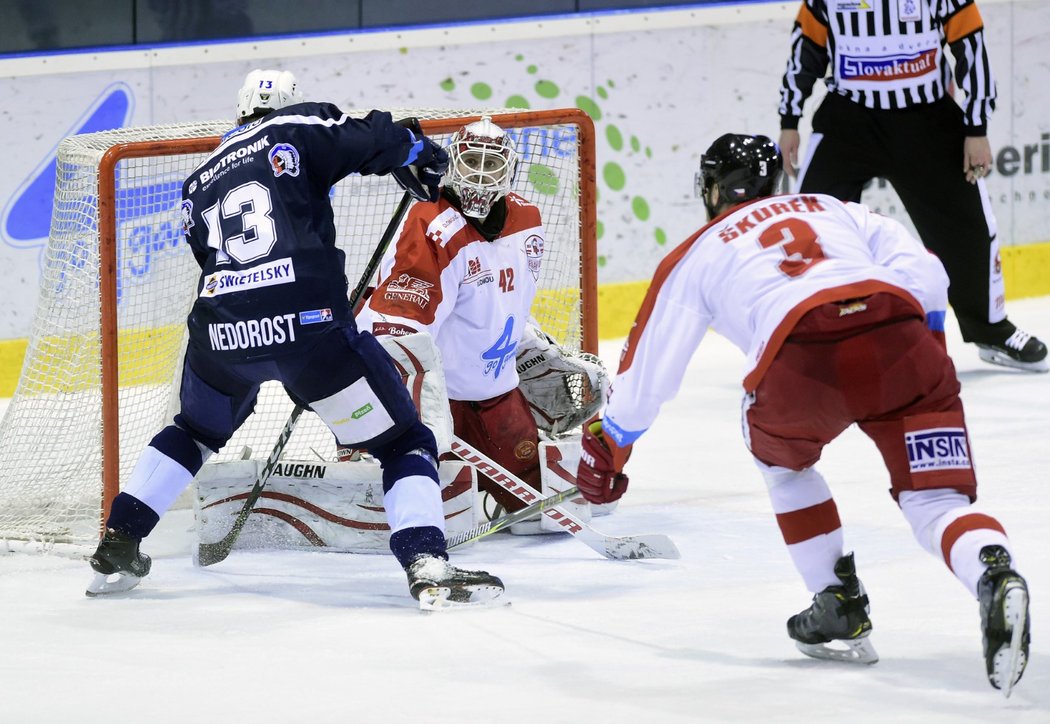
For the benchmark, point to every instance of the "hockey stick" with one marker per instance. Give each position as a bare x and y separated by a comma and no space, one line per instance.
652,545
211,553
495,526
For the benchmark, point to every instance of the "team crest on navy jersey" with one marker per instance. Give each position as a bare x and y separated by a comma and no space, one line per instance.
534,254
284,159
187,216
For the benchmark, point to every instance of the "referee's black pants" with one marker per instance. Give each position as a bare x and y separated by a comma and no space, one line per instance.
920,152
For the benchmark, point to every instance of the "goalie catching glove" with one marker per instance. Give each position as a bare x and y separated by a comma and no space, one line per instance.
563,389
599,476
426,164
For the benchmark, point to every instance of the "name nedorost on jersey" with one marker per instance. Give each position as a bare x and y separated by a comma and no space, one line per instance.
243,152
252,333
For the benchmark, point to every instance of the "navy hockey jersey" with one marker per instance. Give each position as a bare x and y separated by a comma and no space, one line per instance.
257,215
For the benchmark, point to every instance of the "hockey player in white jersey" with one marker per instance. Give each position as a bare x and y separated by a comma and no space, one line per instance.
464,270
840,312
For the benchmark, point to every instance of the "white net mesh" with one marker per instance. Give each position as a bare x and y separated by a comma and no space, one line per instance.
51,436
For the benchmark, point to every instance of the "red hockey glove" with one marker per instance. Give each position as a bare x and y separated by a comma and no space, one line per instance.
598,477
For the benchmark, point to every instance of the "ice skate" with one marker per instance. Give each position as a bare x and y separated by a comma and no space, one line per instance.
838,614
1020,350
118,565
438,585
1003,594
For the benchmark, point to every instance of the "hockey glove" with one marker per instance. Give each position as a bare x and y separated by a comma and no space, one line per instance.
425,166
597,477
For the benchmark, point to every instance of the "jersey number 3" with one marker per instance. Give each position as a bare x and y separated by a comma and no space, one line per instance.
798,241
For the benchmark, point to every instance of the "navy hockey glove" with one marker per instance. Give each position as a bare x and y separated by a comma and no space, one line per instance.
426,164
598,478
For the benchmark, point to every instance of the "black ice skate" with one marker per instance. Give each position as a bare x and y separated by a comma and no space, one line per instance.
1020,350
838,613
437,584
118,564
1004,619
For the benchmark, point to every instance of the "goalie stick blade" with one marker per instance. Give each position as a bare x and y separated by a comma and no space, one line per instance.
631,547
101,585
856,651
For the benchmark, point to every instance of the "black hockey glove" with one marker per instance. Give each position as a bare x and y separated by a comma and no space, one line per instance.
422,176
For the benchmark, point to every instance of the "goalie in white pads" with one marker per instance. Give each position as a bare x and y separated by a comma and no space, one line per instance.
841,314
464,270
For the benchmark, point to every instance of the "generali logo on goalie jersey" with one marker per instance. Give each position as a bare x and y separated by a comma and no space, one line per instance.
407,288
938,448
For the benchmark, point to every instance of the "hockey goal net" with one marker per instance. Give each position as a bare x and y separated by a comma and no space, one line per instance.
102,369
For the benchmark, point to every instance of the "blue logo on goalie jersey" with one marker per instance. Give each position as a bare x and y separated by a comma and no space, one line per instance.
504,349
942,448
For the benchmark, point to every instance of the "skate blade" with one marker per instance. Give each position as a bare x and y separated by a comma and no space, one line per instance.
101,585
445,598
1009,661
1002,359
856,651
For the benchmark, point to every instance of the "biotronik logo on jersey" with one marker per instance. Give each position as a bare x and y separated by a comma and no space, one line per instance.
940,448
149,221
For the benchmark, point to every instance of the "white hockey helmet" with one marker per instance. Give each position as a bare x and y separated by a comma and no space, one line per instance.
267,90
482,161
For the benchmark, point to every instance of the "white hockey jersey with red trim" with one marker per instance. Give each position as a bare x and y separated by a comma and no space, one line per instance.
750,275
472,295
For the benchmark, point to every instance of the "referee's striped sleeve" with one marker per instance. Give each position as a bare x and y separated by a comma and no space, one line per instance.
964,33
807,62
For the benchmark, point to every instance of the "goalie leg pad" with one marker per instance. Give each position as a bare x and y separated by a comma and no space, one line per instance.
501,428
418,360
558,463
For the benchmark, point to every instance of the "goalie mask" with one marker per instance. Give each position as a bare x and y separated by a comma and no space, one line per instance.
741,167
482,161
266,90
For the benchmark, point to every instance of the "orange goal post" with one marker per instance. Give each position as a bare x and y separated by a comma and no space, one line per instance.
103,365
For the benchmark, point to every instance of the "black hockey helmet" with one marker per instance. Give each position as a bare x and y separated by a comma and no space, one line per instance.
743,168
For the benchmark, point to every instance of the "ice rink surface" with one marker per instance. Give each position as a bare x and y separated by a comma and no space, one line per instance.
324,637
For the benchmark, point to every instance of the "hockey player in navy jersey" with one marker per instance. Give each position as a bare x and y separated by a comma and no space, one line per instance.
272,305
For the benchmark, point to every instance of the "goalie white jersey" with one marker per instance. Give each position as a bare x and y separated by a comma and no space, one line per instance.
472,295
750,275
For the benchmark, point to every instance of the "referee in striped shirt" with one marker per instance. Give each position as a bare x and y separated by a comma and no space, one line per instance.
889,113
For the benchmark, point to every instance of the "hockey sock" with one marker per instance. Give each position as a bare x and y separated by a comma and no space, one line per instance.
131,517
410,543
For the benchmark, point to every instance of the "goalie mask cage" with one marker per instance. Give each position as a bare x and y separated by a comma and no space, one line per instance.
102,369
